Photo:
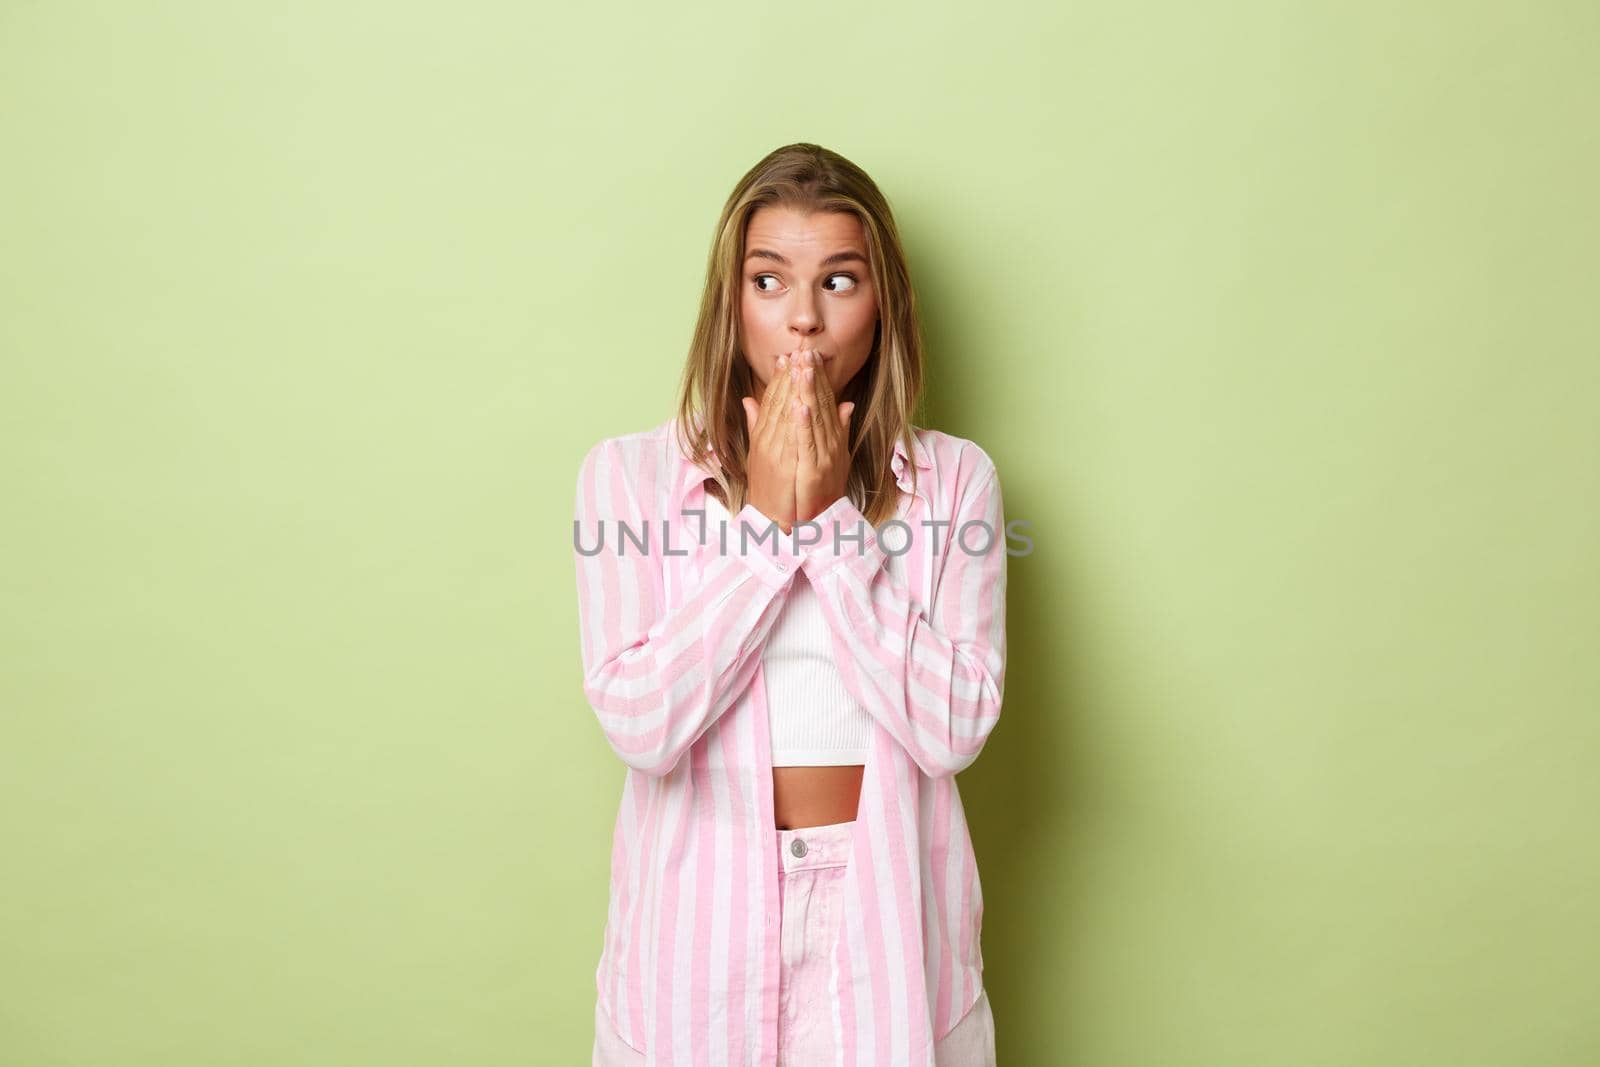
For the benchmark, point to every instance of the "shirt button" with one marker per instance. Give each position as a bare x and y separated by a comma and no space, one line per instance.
783,566
798,847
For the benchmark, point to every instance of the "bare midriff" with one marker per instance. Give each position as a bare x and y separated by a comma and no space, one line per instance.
815,796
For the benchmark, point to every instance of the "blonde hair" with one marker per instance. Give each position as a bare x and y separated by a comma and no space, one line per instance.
886,390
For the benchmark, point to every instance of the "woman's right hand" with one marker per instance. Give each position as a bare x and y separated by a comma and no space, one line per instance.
774,453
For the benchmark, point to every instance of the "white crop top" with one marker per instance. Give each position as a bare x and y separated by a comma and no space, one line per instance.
815,721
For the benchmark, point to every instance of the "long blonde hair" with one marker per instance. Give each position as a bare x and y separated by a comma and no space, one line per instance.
886,390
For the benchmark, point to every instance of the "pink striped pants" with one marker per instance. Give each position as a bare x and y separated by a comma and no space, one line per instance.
812,866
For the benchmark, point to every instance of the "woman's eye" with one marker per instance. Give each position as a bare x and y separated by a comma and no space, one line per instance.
851,278
757,281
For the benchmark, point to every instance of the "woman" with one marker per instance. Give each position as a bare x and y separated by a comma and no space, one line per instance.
792,877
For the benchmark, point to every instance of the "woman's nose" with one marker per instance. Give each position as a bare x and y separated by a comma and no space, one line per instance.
804,318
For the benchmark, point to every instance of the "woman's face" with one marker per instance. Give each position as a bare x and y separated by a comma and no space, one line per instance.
806,284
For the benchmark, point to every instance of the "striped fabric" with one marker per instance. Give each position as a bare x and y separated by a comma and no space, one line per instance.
671,632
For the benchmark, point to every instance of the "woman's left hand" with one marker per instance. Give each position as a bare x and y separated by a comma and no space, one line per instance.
823,471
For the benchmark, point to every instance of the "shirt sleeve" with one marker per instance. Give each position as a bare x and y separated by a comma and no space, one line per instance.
658,677
935,678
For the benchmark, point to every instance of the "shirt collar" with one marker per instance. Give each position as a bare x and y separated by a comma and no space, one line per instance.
920,458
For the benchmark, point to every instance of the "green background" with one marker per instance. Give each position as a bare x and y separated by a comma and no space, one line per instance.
1278,320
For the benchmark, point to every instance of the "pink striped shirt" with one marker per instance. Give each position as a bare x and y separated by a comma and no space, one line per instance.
672,629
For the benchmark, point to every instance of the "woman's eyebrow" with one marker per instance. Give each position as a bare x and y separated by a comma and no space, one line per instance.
837,257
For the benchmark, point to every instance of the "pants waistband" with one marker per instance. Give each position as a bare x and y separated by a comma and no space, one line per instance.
809,847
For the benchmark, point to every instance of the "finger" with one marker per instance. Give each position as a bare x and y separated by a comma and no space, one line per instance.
773,409
786,393
804,420
824,387
788,448
758,428
777,378
805,441
817,418
821,401
806,396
